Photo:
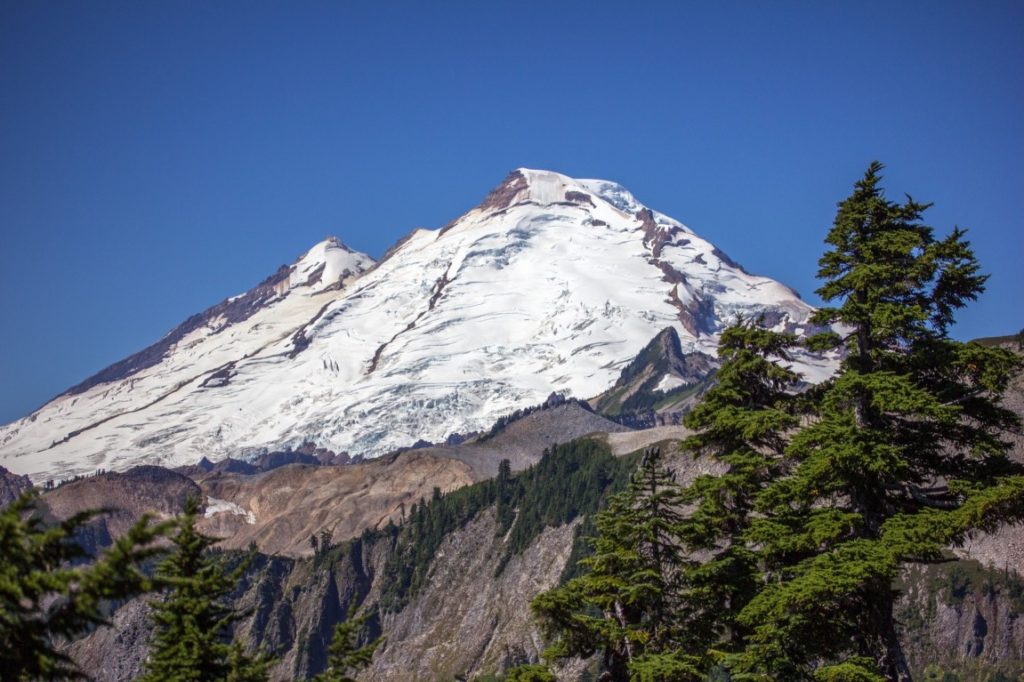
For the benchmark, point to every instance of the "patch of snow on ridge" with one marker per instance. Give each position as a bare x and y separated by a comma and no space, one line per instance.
215,506
668,382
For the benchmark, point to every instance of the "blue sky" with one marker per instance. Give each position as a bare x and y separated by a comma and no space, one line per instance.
156,157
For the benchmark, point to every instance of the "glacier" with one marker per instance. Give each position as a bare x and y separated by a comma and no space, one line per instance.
551,284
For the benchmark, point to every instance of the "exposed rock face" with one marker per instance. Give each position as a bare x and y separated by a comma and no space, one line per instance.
963,617
659,385
464,621
502,196
279,510
11,486
128,495
522,441
116,652
468,621
293,609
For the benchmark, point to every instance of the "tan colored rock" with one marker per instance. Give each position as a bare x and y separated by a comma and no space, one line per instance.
279,510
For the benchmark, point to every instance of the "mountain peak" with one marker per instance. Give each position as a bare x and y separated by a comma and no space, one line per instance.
552,284
327,264
543,187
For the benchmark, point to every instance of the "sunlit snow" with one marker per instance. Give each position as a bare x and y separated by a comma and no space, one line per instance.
452,330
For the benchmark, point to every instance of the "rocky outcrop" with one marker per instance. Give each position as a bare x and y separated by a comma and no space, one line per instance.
522,440
469,618
126,497
658,386
11,486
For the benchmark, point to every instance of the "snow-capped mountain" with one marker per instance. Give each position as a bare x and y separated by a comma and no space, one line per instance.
551,284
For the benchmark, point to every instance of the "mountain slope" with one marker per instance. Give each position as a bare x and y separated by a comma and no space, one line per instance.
550,285
659,385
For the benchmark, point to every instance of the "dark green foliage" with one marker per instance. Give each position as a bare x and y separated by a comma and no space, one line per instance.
570,480
49,592
504,497
417,541
741,423
191,635
581,549
345,658
900,454
826,495
677,619
623,606
530,672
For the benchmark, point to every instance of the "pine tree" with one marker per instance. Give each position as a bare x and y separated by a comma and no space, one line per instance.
504,504
48,594
623,605
344,657
741,423
190,641
902,453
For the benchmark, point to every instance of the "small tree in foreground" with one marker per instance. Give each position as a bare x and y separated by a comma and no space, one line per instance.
45,598
190,641
623,607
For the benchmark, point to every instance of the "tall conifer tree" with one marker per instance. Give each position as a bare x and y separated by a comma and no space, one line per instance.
742,423
902,453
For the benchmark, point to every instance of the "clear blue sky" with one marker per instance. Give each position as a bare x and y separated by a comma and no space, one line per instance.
156,157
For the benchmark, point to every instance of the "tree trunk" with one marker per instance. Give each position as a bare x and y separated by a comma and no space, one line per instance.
890,651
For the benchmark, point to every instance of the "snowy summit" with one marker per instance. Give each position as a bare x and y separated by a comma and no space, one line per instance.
551,284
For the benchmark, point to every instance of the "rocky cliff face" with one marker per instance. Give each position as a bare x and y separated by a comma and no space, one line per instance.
468,621
963,618
464,622
659,385
11,486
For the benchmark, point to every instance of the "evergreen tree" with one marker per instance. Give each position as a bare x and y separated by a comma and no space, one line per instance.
190,641
901,454
48,592
504,497
742,423
344,657
623,605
